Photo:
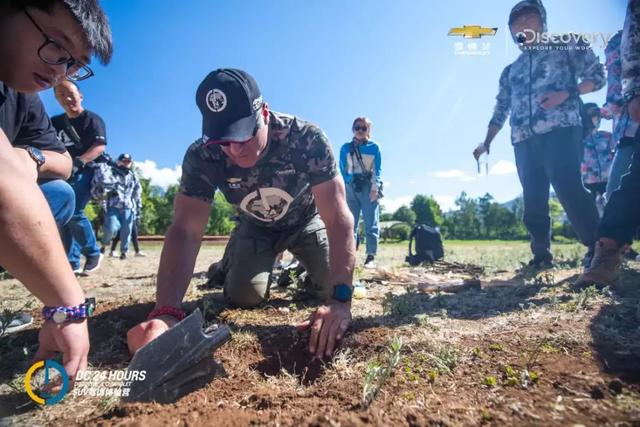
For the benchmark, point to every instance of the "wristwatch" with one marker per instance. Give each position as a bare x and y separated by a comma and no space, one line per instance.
342,292
62,314
629,95
35,154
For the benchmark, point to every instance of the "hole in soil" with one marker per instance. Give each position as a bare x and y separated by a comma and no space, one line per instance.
285,349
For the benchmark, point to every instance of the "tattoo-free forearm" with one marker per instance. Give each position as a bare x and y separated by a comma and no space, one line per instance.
56,166
177,262
342,248
32,250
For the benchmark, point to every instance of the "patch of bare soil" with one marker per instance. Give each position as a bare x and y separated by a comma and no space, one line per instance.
535,351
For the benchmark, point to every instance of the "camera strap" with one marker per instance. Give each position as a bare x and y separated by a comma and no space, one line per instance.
355,149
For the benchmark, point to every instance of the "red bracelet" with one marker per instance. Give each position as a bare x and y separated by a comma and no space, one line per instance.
166,310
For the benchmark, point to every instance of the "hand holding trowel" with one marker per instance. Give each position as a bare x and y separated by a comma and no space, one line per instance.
177,361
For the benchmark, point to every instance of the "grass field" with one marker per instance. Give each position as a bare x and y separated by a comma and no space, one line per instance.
521,349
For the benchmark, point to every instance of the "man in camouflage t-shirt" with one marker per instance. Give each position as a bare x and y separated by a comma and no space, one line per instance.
280,174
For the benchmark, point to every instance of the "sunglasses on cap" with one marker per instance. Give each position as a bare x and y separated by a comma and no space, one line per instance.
359,128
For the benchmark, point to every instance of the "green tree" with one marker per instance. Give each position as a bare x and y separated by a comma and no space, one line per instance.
221,220
404,214
427,210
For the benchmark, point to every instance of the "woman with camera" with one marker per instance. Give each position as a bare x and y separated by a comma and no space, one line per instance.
360,163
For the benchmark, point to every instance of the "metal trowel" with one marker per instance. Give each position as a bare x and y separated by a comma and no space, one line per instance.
177,362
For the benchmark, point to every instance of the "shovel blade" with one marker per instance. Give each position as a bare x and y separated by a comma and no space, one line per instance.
175,359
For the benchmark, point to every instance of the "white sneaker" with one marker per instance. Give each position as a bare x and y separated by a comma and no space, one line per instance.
141,254
370,262
113,254
19,322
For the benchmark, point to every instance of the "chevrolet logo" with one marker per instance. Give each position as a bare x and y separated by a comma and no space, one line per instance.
472,31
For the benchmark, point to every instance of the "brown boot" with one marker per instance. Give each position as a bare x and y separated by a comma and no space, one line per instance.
604,267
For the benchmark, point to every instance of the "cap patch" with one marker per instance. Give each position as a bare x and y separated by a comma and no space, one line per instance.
216,100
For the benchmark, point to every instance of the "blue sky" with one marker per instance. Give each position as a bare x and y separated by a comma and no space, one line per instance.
327,61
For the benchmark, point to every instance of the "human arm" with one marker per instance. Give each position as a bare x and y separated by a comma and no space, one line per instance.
500,113
376,179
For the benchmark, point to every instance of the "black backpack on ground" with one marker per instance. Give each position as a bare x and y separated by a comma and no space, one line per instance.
428,246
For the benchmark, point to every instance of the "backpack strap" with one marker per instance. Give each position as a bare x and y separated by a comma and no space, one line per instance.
411,237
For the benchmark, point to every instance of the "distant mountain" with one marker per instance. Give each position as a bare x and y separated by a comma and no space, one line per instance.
156,191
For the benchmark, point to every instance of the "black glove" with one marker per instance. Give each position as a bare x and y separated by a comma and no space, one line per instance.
78,165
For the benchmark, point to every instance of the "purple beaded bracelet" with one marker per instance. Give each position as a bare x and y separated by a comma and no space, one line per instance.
63,314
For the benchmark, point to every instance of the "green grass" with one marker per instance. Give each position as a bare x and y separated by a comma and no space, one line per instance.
493,254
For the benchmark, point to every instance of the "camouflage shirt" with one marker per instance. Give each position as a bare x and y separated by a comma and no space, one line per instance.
535,72
276,192
630,49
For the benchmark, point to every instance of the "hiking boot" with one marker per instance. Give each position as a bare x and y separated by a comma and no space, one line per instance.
140,254
539,263
93,263
586,261
370,262
17,323
604,267
123,256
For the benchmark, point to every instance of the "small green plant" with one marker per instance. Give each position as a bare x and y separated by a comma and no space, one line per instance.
477,353
485,416
377,374
445,359
490,381
422,319
496,347
583,299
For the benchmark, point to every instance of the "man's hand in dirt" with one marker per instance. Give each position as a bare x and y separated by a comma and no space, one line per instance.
71,339
328,325
634,108
554,98
147,331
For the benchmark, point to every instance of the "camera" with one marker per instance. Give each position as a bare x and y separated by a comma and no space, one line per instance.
361,181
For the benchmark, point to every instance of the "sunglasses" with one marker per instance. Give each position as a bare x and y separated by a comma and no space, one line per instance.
360,128
228,143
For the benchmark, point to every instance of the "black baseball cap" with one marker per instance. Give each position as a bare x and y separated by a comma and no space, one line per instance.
125,156
231,103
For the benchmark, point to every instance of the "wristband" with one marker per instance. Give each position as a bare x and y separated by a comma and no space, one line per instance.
62,314
166,310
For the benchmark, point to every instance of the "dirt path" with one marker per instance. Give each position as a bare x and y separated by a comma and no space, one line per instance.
536,352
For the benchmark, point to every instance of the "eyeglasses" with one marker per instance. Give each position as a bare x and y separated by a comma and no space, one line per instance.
360,128
50,52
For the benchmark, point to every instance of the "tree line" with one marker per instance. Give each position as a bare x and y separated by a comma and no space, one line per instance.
481,218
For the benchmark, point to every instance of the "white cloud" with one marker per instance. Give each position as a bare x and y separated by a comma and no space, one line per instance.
391,205
503,167
454,174
412,182
162,177
446,203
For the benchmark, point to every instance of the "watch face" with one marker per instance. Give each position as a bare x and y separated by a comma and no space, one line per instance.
342,293
59,316
36,155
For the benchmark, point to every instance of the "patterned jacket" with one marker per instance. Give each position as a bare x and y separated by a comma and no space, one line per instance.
630,49
623,125
542,68
598,156
120,186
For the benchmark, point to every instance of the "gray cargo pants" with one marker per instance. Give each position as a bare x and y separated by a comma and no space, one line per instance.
251,252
